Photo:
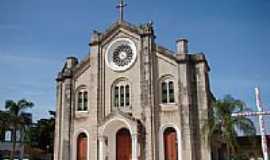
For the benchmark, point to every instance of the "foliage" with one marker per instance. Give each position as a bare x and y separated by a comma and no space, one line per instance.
41,135
4,118
223,128
14,118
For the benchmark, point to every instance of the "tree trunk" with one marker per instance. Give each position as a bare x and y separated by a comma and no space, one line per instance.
13,143
228,152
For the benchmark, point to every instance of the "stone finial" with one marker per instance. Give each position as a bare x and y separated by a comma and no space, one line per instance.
71,62
182,46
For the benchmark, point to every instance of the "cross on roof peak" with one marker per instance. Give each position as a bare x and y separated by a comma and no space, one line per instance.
121,7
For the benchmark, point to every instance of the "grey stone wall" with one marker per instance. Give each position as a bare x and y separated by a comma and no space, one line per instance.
192,97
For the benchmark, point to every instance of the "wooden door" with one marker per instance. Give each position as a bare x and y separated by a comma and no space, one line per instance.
170,144
123,145
82,147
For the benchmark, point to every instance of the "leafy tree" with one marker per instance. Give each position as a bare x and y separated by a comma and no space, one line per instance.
223,128
4,116
15,119
41,134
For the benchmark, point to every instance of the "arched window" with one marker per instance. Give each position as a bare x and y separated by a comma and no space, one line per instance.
121,94
167,91
170,144
82,147
82,100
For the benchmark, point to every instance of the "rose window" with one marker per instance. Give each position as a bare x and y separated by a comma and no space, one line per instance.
122,55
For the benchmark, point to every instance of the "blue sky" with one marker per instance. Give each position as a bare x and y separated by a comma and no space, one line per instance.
37,35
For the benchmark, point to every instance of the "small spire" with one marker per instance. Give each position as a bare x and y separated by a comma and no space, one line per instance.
121,7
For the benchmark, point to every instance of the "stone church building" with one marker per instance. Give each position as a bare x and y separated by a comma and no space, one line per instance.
132,99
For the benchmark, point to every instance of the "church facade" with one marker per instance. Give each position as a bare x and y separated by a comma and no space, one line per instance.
132,99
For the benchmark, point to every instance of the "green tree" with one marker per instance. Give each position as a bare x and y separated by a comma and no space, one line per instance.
15,119
223,128
41,134
3,122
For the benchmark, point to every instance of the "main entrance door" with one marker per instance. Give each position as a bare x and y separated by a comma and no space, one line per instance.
170,144
123,145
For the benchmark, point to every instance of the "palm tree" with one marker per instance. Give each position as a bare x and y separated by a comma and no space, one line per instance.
16,119
3,122
223,128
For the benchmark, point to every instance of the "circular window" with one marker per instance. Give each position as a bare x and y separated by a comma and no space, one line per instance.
121,54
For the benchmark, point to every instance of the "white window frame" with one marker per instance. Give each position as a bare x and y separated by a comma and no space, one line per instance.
119,85
82,90
167,81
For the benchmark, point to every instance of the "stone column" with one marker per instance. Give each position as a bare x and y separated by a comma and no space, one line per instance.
134,147
101,141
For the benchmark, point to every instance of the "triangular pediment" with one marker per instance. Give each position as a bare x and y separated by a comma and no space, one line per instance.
118,26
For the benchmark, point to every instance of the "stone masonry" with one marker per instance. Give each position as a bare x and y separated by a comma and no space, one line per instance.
147,118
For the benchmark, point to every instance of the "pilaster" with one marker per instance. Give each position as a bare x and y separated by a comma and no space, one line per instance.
96,54
204,102
101,144
57,135
147,74
185,105
66,116
134,146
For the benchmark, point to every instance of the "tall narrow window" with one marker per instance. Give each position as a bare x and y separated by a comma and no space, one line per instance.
171,92
116,96
122,98
80,101
127,95
167,92
121,95
164,92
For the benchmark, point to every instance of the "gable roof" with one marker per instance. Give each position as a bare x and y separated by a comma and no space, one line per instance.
144,29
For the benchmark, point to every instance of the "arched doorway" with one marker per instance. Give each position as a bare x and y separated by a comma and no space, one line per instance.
123,144
170,144
82,147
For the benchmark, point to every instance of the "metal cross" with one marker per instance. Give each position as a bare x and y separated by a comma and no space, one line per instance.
121,7
260,114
